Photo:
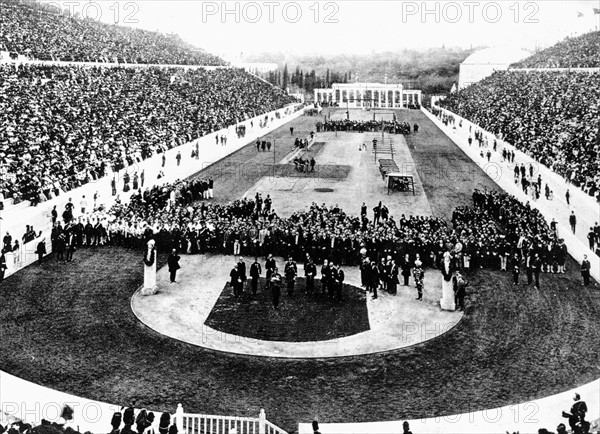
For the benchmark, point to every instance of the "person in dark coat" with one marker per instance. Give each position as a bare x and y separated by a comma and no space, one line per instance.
41,250
516,269
392,278
310,271
275,288
173,263
333,280
419,276
406,269
325,276
460,285
255,272
374,278
585,270
236,281
339,282
291,271
270,266
2,265
242,271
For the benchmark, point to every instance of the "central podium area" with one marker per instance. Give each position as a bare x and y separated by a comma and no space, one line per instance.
182,311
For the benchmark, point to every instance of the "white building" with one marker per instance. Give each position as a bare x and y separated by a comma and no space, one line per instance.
483,63
367,95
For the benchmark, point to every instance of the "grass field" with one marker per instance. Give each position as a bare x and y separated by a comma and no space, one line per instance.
70,327
299,318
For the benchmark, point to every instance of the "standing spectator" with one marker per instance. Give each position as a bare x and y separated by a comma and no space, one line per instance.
291,271
568,197
255,272
54,214
392,277
178,158
236,281
591,236
173,263
70,246
242,271
83,205
275,284
340,277
419,276
537,268
2,265
461,285
573,221
516,269
41,250
164,159
585,270
310,271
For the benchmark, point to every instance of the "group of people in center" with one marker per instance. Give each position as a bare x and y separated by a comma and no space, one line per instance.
331,278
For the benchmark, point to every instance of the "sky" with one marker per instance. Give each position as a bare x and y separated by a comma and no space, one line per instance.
230,28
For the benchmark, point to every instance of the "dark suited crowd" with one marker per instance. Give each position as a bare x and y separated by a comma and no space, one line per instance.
392,127
498,232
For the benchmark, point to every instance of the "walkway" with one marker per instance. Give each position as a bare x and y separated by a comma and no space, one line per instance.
179,311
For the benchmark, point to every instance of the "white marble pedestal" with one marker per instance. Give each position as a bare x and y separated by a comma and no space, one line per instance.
447,300
150,287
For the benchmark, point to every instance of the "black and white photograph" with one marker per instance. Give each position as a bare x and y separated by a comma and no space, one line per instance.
299,217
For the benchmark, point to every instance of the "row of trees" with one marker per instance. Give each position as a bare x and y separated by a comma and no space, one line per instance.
433,70
305,81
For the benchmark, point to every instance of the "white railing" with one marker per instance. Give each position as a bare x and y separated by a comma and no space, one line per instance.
188,423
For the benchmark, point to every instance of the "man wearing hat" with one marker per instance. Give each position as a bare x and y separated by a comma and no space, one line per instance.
419,276
41,250
585,270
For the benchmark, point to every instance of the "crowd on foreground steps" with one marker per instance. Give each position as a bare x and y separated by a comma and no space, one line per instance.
43,31
549,115
65,126
131,420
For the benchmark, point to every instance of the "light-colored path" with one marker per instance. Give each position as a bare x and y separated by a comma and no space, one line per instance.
180,310
525,418
363,184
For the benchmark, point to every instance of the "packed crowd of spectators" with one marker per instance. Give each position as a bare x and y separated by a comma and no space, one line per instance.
393,127
42,32
551,116
498,232
580,52
61,127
